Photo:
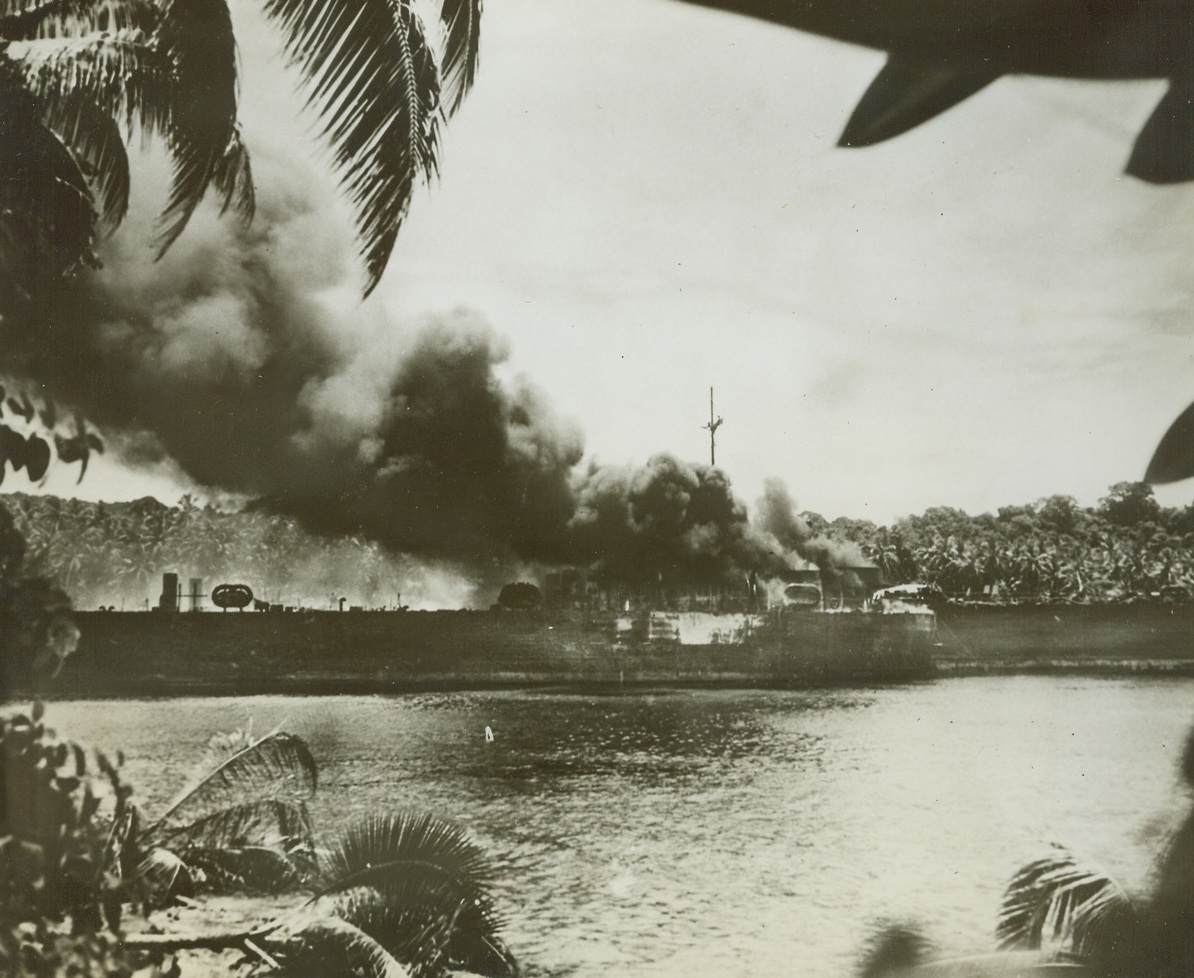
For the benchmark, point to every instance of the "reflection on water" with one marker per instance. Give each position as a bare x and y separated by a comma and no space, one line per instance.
716,833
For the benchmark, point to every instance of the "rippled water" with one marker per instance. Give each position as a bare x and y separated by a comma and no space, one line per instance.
729,833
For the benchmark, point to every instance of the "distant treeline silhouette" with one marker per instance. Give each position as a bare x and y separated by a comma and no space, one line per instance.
1127,547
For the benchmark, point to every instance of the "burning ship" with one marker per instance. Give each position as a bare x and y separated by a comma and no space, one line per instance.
570,630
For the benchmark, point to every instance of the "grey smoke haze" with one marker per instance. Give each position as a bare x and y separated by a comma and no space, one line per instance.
775,514
242,357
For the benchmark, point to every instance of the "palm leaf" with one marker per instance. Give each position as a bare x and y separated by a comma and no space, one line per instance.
329,947
95,139
430,933
1173,459
420,886
266,846
395,852
43,193
195,37
374,82
73,18
273,821
415,932
1063,901
276,768
121,71
233,178
462,49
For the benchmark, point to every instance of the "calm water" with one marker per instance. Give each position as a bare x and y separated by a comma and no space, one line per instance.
728,833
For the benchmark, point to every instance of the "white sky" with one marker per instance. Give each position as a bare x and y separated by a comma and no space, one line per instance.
646,198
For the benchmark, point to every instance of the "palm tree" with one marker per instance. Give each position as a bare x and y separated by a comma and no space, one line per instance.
242,820
1075,907
395,894
391,893
79,77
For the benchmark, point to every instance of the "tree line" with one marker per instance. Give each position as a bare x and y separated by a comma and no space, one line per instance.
1127,547
105,554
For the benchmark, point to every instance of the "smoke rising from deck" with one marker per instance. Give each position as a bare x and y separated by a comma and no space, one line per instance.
776,515
667,518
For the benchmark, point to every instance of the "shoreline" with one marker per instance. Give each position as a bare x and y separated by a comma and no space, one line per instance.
158,687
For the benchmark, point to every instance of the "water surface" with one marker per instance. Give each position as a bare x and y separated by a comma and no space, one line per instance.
728,833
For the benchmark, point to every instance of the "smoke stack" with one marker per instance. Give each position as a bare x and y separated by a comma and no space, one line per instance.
168,601
196,594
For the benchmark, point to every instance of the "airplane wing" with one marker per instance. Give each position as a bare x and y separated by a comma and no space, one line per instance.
1174,458
907,92
1164,150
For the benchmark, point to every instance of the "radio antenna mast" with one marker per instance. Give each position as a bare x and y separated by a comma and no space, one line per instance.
712,427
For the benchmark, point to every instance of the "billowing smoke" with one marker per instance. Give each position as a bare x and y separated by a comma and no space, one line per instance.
777,516
775,513
243,357
668,519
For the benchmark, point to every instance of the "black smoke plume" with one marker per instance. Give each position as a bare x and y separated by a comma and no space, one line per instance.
244,358
666,520
238,358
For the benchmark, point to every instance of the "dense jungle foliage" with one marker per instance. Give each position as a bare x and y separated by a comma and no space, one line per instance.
115,553
1127,547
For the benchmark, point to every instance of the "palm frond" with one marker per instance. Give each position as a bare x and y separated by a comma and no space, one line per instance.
415,932
1063,901
265,846
395,851
121,71
329,947
430,933
897,947
233,178
43,192
420,886
462,49
195,37
95,139
374,82
480,951
73,18
278,767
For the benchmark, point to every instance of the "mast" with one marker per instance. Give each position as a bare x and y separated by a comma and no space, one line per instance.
712,427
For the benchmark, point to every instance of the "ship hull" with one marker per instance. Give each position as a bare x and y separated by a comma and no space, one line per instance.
1037,635
315,652
144,654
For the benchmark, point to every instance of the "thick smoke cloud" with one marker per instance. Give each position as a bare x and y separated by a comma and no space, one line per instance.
235,358
776,516
245,359
668,519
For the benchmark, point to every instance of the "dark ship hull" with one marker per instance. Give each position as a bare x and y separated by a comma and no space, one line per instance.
123,654
1125,636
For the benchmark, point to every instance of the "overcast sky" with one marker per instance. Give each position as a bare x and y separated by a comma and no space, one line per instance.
646,199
